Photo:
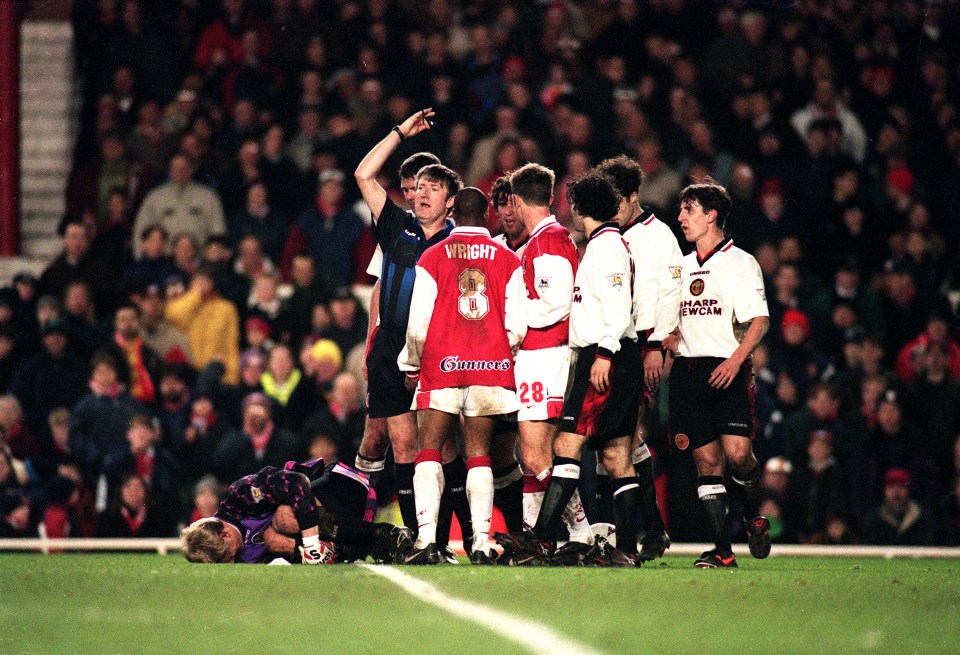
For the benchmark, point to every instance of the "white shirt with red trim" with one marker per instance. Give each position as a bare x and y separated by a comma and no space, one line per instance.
602,311
724,289
467,313
549,265
518,251
656,285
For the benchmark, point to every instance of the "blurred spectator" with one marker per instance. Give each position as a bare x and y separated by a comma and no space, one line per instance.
260,219
822,413
308,290
340,417
169,342
211,324
90,186
77,262
206,498
329,231
826,105
52,378
139,363
218,255
80,317
796,356
934,400
181,205
220,42
154,266
937,331
830,325
15,520
948,516
133,513
291,391
143,456
186,254
14,433
173,403
98,422
281,177
259,442
899,520
816,492
200,438
773,495
348,321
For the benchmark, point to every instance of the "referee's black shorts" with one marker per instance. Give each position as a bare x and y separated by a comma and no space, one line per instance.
699,413
604,416
386,393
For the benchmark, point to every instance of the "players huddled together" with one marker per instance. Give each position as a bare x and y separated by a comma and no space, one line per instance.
536,352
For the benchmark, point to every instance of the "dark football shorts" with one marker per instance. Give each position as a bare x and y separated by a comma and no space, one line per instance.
604,416
699,413
386,393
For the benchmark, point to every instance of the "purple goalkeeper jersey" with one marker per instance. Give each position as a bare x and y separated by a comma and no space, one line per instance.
251,501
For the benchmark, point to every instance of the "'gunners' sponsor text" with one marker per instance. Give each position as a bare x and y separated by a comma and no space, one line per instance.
454,363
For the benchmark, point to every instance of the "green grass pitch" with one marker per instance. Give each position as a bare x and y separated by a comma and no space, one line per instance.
151,604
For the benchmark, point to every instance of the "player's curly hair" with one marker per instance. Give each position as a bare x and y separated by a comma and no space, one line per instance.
594,195
625,172
200,542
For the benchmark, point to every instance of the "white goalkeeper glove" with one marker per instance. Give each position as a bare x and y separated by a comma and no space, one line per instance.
314,551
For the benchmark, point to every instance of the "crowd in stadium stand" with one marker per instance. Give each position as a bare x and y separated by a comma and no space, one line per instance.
201,321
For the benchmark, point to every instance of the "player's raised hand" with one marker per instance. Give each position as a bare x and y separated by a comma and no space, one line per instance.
417,123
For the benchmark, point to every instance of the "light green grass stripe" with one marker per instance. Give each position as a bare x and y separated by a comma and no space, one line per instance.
534,637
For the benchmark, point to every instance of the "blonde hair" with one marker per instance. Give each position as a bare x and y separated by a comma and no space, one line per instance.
201,542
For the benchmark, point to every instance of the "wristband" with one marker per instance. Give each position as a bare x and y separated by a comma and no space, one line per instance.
655,345
604,353
396,128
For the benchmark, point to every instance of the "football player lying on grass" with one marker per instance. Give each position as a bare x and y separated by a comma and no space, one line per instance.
301,513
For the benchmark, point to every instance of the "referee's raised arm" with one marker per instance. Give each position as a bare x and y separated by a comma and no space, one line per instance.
366,173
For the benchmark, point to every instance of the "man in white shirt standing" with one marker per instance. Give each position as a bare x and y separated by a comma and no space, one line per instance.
603,399
723,316
656,303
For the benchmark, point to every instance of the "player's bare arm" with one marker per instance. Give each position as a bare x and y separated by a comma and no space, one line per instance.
366,174
724,374
279,543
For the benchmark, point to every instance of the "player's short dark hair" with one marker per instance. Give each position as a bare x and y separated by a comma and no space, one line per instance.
594,195
533,183
470,207
500,192
448,177
412,164
711,196
625,172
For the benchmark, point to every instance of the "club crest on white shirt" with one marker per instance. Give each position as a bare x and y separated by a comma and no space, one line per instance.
675,273
763,294
616,280
542,283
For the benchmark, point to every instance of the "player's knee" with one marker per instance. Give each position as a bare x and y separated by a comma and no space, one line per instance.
617,463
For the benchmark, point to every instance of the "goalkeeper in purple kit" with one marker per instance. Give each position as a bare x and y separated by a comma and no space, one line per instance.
301,513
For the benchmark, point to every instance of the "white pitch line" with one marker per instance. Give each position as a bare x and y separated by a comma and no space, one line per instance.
535,637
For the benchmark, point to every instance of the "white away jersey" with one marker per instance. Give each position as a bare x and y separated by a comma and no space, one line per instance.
518,251
726,288
656,283
602,310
